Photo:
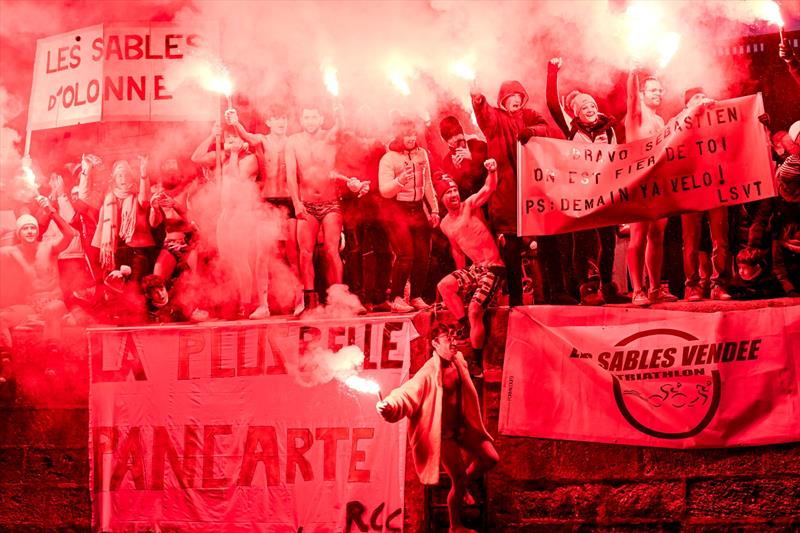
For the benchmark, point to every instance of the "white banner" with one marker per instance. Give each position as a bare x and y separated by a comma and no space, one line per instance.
227,428
119,72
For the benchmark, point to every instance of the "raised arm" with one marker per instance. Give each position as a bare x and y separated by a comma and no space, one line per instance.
67,232
485,114
201,155
561,119
338,124
634,100
233,119
144,181
489,186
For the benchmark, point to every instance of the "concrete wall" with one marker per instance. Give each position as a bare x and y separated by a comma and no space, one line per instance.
540,485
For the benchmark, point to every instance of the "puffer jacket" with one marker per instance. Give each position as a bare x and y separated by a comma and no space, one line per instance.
393,165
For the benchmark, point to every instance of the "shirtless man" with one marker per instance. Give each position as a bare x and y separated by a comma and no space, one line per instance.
444,423
469,236
238,211
274,189
38,264
310,160
647,238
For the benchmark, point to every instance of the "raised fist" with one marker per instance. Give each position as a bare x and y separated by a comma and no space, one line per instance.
556,62
491,165
231,116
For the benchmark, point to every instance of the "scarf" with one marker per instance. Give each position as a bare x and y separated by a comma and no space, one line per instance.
113,225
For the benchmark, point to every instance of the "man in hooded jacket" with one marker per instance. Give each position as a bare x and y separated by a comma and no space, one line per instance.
503,126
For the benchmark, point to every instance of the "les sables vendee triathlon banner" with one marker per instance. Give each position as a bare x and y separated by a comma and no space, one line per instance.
716,156
122,72
220,428
652,378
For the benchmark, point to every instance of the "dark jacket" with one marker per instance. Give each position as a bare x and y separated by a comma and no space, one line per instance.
502,131
576,130
471,175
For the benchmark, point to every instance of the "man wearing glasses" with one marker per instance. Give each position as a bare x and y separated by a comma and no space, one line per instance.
444,421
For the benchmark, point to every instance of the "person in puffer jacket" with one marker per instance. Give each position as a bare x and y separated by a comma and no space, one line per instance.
404,178
503,126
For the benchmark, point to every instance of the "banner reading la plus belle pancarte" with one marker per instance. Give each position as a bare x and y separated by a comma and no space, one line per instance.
652,378
237,427
704,158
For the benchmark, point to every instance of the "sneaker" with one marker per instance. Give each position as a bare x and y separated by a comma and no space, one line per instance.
419,304
611,294
640,299
260,313
718,293
662,295
299,308
694,293
398,305
383,307
590,295
562,298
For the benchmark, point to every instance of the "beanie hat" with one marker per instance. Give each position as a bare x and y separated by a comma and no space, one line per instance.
579,100
403,125
794,131
442,185
24,220
687,95
449,127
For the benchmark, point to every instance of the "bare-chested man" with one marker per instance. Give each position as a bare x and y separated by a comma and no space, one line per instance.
238,218
469,236
445,424
37,263
647,238
274,189
310,160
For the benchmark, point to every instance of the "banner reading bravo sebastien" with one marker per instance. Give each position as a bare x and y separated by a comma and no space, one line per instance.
652,378
705,158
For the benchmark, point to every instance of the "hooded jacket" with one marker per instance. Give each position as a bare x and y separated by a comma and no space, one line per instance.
420,399
575,129
502,130
393,165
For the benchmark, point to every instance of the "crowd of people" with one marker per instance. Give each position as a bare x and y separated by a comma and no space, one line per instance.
402,223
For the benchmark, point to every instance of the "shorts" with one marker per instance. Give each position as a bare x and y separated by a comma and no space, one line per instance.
480,282
283,203
320,210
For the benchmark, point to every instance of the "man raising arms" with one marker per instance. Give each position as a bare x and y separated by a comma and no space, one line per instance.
469,237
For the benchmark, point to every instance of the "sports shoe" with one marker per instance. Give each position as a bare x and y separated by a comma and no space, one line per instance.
718,293
694,293
398,305
611,294
419,304
590,295
383,307
640,299
661,295
261,312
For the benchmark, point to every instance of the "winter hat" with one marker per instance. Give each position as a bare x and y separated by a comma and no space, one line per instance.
444,184
789,177
579,100
449,127
24,220
794,132
403,125
687,95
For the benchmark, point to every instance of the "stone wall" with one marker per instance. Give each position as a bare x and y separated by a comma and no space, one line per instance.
540,485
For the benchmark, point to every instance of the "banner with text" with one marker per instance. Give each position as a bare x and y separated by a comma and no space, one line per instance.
717,156
116,72
652,378
243,427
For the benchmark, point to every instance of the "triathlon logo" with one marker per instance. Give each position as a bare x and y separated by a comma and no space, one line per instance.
666,382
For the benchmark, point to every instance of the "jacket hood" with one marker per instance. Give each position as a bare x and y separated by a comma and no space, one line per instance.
509,87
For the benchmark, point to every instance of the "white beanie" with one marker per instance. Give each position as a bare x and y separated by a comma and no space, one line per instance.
24,220
794,131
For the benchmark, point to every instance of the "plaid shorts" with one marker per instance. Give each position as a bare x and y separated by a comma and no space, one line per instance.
479,284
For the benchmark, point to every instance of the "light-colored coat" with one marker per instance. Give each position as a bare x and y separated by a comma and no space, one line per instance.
420,399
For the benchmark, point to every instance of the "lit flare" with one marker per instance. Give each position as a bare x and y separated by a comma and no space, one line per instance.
367,386
331,80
